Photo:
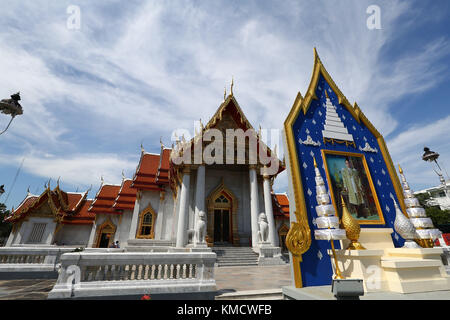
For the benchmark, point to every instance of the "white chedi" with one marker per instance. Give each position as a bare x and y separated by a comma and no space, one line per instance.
327,222
424,226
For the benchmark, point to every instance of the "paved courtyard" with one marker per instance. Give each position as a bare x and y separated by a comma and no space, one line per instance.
228,279
25,289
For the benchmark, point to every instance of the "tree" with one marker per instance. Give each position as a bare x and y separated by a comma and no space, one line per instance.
5,227
440,218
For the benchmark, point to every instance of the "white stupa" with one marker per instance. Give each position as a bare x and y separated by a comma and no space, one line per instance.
334,128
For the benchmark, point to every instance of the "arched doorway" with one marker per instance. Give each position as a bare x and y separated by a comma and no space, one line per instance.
105,234
222,217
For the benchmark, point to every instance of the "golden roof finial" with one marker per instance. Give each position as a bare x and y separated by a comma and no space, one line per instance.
28,191
57,181
123,175
232,84
225,93
326,94
102,180
400,169
142,148
161,143
315,163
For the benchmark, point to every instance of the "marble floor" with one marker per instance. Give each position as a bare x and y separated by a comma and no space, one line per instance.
230,279
36,289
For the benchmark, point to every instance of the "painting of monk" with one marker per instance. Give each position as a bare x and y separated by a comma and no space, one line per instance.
347,176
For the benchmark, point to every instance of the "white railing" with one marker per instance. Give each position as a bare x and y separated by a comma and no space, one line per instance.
88,274
31,255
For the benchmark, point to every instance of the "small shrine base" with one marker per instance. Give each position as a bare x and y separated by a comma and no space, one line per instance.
385,268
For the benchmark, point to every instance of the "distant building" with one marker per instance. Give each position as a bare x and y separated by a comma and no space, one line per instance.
438,196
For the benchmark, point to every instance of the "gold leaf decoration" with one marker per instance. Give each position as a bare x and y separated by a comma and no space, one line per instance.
298,239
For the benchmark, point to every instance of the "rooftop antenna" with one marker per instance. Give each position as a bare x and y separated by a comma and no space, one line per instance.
14,181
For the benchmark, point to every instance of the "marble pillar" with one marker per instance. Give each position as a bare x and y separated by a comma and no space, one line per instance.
183,210
273,239
199,197
254,205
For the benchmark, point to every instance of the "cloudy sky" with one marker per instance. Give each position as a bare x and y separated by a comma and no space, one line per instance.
136,70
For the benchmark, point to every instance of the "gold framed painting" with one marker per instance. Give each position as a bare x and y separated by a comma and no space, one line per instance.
348,175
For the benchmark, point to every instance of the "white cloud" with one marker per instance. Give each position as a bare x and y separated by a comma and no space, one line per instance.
139,71
79,169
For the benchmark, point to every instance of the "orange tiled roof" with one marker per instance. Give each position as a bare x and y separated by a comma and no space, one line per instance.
127,196
82,216
62,205
105,199
280,203
153,171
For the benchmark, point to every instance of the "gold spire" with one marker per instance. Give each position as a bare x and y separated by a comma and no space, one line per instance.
352,228
326,94
315,163
400,169
142,148
225,93
232,84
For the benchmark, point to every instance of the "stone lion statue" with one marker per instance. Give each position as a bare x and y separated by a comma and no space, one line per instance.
263,233
201,227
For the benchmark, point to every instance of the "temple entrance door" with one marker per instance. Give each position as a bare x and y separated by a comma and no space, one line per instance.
222,226
104,240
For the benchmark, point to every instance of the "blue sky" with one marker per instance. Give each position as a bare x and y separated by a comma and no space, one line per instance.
136,70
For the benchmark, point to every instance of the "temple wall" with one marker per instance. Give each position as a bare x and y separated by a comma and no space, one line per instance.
26,228
70,234
167,209
123,229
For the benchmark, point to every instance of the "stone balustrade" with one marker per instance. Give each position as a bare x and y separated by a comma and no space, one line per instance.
30,262
92,274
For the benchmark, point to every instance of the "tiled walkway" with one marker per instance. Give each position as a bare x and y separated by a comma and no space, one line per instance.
25,289
229,279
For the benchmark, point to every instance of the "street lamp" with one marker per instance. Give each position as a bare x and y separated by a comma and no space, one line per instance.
431,156
11,107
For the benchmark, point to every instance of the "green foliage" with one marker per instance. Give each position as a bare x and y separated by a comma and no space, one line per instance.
438,216
5,227
423,197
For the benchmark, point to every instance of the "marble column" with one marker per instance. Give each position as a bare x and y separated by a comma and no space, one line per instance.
183,210
254,205
269,211
199,196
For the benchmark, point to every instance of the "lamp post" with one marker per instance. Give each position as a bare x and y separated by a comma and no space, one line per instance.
431,156
11,107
